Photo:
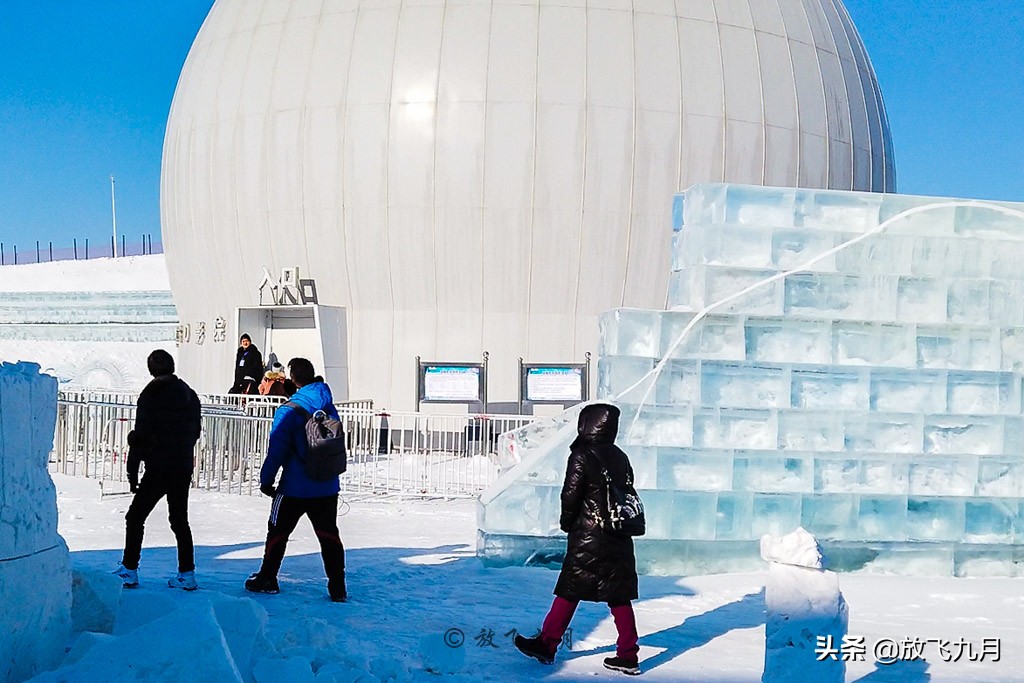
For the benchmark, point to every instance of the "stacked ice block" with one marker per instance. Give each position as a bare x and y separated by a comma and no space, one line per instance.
873,398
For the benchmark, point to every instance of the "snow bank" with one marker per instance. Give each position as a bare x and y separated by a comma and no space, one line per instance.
805,613
36,617
128,273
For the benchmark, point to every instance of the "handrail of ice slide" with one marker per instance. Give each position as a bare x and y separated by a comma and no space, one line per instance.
655,372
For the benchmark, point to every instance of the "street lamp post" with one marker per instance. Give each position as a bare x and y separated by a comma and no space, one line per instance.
113,213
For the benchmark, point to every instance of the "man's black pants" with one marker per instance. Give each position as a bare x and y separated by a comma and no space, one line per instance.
285,513
154,486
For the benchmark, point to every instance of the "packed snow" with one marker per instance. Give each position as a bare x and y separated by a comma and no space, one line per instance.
124,274
416,585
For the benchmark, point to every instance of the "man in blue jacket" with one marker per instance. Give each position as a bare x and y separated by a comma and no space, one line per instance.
297,494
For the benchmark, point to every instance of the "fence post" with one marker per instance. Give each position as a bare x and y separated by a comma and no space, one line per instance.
2,254
112,245
86,248
51,251
123,252
37,251
15,254
75,240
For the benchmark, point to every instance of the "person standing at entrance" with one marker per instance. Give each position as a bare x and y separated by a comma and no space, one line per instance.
297,494
248,367
167,425
599,566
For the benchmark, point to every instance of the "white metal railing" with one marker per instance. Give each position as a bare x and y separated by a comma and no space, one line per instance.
389,452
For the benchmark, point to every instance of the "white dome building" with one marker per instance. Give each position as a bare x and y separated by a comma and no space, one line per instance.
481,176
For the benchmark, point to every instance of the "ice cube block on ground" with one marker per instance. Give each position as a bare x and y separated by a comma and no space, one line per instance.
848,362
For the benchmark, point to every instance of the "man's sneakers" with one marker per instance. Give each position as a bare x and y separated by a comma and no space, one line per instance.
630,668
129,577
533,647
262,584
184,580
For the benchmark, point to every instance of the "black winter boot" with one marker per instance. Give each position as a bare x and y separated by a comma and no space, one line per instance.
533,647
262,584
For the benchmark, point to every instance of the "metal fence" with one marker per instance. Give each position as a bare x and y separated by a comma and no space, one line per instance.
388,452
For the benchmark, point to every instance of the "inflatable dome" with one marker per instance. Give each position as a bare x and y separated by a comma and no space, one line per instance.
477,176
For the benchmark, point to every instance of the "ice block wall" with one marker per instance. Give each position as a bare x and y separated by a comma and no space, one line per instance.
35,566
873,398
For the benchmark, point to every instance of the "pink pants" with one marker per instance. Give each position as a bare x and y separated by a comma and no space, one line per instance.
560,614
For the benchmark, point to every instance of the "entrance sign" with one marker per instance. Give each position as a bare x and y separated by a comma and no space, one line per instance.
289,289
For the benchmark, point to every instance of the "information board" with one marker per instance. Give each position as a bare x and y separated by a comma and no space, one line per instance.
554,384
451,383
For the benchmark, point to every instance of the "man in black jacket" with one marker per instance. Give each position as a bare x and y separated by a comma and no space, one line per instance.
167,425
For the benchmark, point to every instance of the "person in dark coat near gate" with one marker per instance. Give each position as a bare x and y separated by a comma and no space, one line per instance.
248,367
167,424
598,566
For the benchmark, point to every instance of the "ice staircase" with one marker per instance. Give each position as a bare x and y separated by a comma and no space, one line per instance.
851,364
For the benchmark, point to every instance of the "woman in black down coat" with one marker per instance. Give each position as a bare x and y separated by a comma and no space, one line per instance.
598,566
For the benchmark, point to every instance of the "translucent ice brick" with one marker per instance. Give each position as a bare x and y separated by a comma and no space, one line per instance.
885,433
659,427
1006,301
678,201
991,520
830,516
704,204
685,469
800,430
847,297
1011,347
872,475
748,205
882,518
983,393
919,391
988,223
694,515
764,298
935,519
874,344
975,561
752,429
1000,476
795,248
735,516
829,389
615,374
842,211
775,513
678,384
951,257
630,332
921,300
763,472
735,245
968,302
786,340
944,476
971,434
878,254
659,513
744,385
710,338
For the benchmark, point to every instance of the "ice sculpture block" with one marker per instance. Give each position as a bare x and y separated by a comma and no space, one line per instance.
36,618
846,362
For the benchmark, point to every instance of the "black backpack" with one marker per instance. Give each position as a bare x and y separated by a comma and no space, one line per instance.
326,455
624,511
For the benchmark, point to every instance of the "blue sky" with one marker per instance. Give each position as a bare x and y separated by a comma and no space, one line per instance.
86,87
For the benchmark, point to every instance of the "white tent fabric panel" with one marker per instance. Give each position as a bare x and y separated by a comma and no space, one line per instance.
487,176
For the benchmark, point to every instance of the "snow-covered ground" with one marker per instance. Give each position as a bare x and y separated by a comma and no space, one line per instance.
413,578
124,274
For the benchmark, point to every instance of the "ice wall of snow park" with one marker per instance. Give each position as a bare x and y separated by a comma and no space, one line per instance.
90,324
35,617
873,396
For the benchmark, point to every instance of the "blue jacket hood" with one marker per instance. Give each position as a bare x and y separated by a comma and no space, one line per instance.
313,397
